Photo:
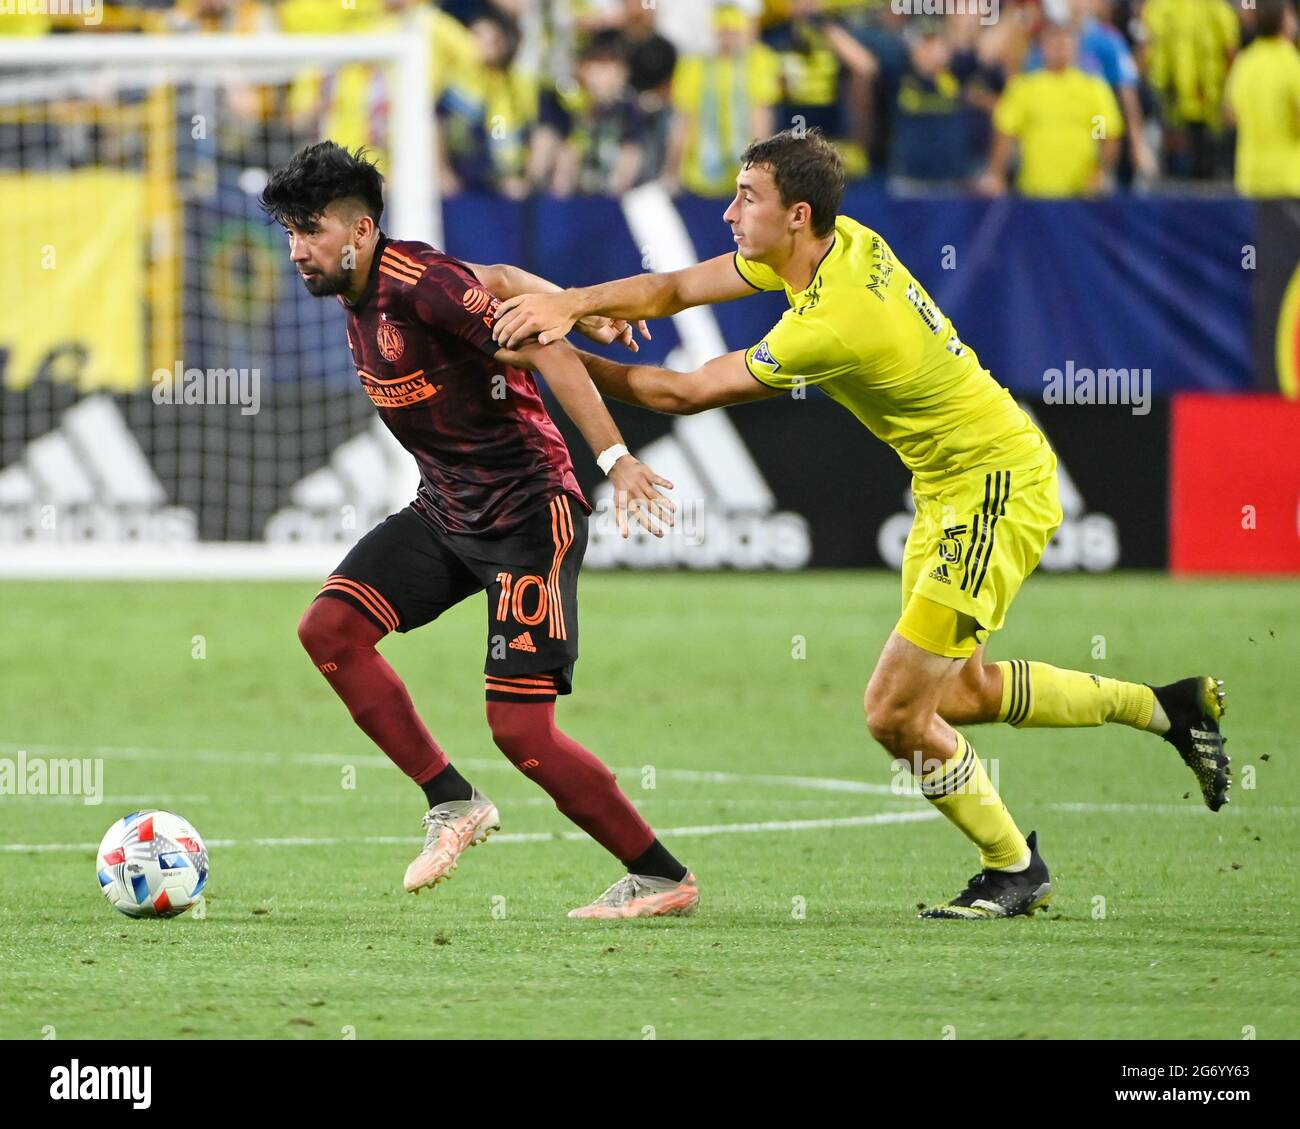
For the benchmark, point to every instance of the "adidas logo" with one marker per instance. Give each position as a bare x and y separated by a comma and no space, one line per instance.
367,477
89,480
523,642
941,574
727,515
1086,540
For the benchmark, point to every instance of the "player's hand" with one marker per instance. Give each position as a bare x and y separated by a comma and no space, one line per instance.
990,184
636,492
546,317
604,330
1144,160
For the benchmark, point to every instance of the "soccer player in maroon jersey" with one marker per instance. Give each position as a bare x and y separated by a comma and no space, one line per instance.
498,510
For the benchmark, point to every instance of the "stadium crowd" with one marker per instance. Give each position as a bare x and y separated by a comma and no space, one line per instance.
1051,98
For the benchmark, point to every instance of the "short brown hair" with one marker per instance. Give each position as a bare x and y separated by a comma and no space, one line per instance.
807,169
1269,17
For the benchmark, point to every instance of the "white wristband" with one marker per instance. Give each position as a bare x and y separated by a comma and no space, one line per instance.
609,456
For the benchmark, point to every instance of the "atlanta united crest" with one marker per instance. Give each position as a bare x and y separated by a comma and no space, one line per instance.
389,339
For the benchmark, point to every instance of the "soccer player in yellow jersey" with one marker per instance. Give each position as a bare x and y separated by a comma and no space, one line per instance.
1066,123
1263,96
864,329
1190,46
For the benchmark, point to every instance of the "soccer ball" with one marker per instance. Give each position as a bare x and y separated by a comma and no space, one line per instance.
152,864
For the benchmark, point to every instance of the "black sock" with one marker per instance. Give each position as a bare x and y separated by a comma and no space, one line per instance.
657,862
447,785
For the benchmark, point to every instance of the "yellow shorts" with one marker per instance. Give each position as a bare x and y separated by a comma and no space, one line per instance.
973,542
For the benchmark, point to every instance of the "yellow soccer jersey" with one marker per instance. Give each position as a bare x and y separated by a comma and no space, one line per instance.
1190,45
1264,93
1057,117
869,335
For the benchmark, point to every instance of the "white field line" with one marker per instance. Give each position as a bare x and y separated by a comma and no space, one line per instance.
637,796
479,764
536,836
1188,808
139,800
889,817
639,799
815,783
169,801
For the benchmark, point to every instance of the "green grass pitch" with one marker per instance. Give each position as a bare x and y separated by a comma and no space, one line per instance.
1167,921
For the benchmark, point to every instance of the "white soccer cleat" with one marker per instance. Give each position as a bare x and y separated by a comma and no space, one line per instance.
453,828
643,895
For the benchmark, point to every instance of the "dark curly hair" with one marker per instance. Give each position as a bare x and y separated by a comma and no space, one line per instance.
317,176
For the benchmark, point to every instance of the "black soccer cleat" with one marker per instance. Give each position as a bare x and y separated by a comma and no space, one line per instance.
1194,707
995,893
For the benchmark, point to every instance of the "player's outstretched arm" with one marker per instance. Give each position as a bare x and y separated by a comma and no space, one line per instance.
506,281
723,380
636,486
549,316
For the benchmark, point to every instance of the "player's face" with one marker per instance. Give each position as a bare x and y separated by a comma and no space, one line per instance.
759,221
323,254
1058,48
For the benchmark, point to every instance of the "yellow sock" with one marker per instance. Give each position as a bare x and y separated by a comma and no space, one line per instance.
961,789
1037,695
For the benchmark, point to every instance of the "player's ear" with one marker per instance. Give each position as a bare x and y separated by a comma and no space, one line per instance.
800,216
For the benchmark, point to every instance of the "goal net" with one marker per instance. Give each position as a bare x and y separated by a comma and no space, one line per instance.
172,401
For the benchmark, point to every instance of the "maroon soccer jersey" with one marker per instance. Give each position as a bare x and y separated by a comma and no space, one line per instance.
421,341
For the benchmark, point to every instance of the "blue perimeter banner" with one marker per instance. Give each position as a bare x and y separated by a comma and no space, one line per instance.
1032,286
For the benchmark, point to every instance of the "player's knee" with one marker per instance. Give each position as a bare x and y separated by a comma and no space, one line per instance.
328,627
881,712
312,631
988,689
979,690
896,728
889,731
514,724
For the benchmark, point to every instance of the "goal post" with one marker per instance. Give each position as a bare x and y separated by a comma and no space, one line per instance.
160,59
131,166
